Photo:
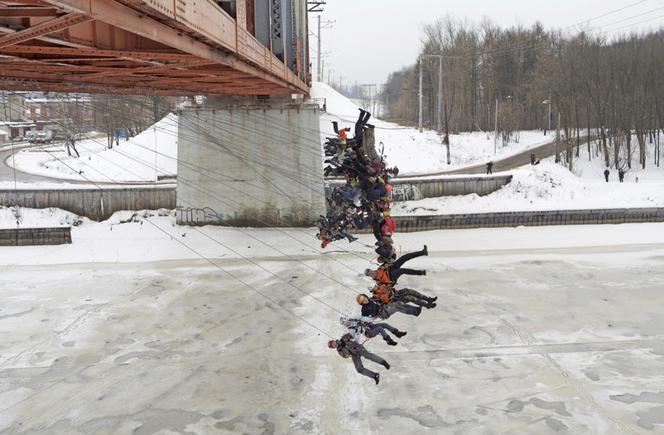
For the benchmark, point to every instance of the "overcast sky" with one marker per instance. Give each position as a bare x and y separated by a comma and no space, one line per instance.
372,38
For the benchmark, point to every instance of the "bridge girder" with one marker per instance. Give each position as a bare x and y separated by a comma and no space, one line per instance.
136,46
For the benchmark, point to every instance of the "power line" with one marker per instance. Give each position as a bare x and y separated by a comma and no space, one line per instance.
210,193
221,268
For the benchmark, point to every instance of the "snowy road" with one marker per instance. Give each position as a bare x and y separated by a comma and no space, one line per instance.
556,334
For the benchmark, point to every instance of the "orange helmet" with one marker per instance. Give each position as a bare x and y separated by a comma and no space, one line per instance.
360,298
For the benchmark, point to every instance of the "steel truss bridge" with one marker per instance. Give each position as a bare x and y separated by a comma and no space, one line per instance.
164,47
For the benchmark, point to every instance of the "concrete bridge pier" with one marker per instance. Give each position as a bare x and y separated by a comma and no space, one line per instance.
256,166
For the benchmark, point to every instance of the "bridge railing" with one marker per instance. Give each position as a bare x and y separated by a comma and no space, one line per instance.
205,18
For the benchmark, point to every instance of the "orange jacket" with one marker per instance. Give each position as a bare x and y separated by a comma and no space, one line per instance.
383,276
382,294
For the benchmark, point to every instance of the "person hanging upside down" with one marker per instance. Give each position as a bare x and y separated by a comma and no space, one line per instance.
389,273
374,309
383,225
362,328
386,294
347,347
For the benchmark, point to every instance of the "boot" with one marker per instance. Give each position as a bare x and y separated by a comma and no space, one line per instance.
426,251
433,299
390,342
400,334
377,378
429,306
386,365
422,272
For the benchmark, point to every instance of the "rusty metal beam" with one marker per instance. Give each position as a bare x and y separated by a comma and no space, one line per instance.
150,55
25,12
123,17
41,29
148,69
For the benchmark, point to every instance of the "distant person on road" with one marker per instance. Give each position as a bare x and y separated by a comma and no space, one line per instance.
347,347
606,175
489,168
532,158
621,175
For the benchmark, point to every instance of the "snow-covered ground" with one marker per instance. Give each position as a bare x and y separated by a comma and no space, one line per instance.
538,330
550,186
414,152
594,169
153,236
133,160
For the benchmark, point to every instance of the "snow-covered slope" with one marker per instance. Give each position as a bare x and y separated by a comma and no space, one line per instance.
135,160
415,152
132,160
548,186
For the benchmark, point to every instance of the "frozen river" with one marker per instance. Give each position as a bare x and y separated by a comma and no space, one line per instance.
546,330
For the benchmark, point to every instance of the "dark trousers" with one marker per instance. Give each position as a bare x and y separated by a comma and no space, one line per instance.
406,257
396,273
359,126
357,361
400,307
395,270
380,328
415,297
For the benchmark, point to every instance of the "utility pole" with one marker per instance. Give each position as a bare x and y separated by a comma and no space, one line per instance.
440,94
558,139
321,25
320,57
421,73
549,112
439,107
495,127
155,112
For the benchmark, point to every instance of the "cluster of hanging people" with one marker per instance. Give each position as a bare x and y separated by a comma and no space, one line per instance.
364,201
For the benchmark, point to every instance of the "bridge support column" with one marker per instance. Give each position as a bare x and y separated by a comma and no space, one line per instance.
250,167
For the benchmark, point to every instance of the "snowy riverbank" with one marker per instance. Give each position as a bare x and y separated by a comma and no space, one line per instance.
550,186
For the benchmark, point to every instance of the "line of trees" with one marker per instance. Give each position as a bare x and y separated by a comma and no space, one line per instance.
129,114
611,90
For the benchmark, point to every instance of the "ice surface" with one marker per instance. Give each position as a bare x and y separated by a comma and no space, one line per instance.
538,330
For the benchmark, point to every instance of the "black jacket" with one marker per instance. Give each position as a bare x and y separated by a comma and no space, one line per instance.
372,309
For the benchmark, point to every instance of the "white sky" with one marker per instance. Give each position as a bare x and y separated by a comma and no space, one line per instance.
372,38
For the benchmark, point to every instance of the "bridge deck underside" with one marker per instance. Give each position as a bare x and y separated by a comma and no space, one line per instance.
135,47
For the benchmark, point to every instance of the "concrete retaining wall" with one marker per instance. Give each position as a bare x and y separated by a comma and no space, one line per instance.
408,224
35,236
452,186
92,203
266,161
409,189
